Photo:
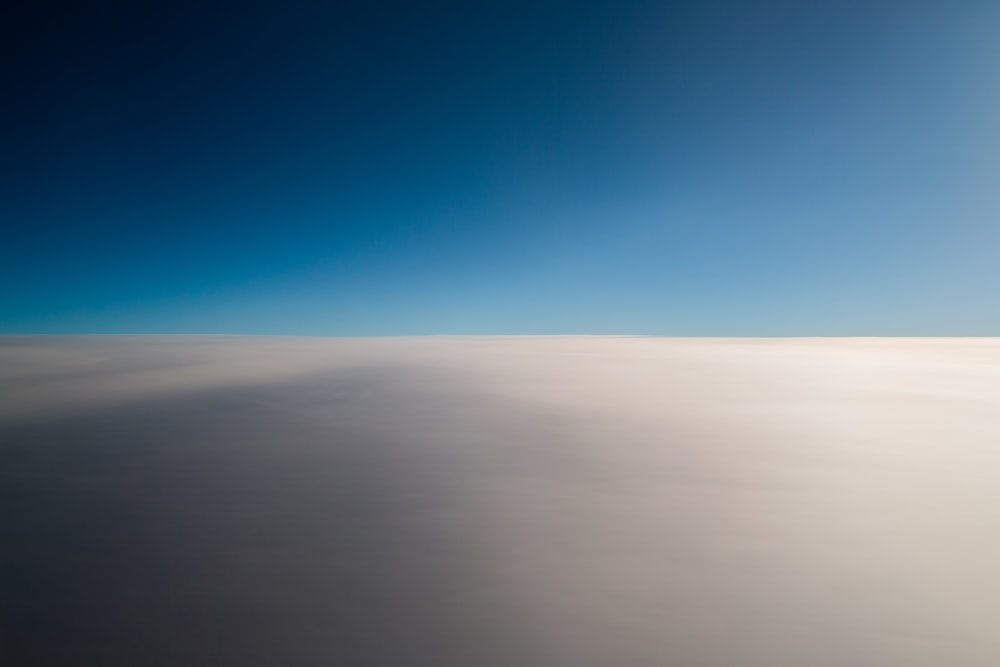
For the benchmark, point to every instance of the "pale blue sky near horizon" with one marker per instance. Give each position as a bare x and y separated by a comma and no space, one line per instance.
718,168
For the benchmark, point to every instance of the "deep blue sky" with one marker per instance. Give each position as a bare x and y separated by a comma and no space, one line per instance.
709,167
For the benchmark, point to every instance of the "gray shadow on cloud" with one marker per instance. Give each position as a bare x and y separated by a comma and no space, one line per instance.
290,524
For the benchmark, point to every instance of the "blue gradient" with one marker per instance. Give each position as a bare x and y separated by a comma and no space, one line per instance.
678,168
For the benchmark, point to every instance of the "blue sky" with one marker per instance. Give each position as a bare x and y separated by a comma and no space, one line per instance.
674,168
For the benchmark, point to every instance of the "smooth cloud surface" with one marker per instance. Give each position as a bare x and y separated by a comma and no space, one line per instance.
499,501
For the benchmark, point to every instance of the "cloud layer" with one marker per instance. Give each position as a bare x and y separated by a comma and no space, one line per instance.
499,501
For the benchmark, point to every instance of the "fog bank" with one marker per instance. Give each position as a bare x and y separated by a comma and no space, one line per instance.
578,501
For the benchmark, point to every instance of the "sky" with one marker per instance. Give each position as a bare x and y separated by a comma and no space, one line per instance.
308,167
